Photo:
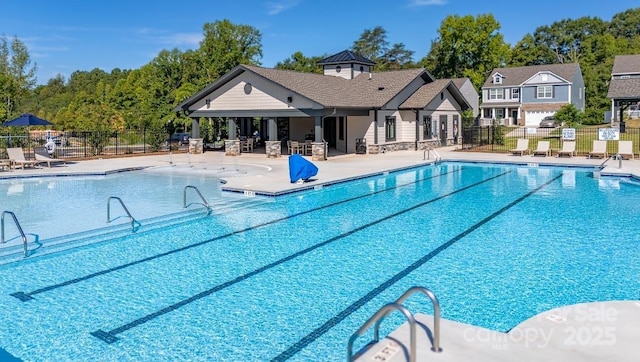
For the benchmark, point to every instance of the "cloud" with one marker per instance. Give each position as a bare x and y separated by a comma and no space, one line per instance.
188,39
427,2
275,8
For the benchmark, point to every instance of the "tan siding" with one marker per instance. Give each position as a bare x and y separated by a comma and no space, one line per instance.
406,127
264,95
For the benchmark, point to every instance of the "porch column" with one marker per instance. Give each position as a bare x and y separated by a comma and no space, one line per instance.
272,129
195,127
233,132
318,128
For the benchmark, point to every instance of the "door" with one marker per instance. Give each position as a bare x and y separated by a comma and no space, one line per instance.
329,131
443,130
514,115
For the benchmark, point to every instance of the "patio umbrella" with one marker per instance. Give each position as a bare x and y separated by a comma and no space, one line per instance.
27,120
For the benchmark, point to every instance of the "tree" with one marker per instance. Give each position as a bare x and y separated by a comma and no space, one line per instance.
17,75
626,24
564,38
226,45
374,46
569,115
299,63
526,52
467,46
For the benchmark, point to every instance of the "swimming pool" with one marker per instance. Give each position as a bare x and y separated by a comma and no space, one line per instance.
292,278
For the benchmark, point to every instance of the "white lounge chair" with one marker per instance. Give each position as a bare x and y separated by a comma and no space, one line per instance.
625,149
522,147
48,160
543,149
599,149
17,155
568,149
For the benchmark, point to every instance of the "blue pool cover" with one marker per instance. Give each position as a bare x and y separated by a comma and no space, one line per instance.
301,169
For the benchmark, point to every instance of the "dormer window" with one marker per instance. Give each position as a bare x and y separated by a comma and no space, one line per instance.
497,79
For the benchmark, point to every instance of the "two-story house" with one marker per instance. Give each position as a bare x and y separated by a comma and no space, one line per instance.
624,88
525,95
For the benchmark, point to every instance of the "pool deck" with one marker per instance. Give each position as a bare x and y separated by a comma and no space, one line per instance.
587,332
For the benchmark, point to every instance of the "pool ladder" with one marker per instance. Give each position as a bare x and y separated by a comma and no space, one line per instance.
382,313
134,223
15,220
426,155
204,201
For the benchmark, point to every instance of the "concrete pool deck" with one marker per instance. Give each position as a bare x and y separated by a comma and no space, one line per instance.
586,332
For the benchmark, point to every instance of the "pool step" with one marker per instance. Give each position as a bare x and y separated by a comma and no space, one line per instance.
14,249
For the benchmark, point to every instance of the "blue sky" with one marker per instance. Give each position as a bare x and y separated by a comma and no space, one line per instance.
68,35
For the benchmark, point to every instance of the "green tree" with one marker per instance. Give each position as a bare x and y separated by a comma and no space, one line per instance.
374,46
626,24
526,52
569,115
17,75
226,45
300,63
564,38
467,46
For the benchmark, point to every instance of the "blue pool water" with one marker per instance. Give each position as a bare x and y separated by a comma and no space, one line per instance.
292,278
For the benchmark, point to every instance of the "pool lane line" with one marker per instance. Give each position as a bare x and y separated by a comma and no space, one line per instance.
316,333
24,297
110,336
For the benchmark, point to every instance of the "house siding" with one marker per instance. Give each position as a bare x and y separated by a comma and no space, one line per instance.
264,95
578,91
560,95
471,95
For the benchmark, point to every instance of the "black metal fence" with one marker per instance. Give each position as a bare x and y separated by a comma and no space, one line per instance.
504,139
87,144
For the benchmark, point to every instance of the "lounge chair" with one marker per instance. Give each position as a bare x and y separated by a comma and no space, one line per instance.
625,149
543,149
42,156
568,149
522,147
17,155
599,149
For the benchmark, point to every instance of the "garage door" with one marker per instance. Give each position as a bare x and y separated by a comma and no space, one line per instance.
533,118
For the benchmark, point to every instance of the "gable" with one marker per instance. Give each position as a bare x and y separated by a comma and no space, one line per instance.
248,91
544,78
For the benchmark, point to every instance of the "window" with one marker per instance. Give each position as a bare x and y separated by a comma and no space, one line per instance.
390,128
427,128
496,94
497,79
515,93
544,91
499,113
341,128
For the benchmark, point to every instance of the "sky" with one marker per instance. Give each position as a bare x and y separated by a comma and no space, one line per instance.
64,36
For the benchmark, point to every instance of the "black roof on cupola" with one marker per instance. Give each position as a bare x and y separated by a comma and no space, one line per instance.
346,56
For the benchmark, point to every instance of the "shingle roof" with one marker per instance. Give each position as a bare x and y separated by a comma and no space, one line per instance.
459,82
346,56
331,91
425,94
624,88
626,64
514,76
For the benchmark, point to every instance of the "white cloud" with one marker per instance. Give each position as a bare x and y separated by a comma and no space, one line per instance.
275,8
181,39
427,2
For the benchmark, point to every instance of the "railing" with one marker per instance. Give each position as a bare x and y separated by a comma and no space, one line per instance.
204,201
381,314
15,219
134,222
426,155
377,319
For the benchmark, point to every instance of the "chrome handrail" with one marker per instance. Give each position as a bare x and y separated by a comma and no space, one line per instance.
15,219
426,155
377,319
436,312
133,221
204,201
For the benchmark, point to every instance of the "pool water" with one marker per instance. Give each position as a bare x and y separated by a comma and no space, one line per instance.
292,278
